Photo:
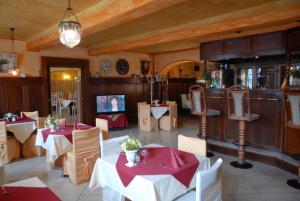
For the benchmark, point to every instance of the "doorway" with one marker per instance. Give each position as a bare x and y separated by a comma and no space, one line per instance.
70,91
65,92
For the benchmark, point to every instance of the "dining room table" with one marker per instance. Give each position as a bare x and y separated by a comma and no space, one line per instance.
22,127
161,175
157,111
31,189
57,142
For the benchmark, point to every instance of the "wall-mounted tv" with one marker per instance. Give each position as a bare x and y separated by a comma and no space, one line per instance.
111,103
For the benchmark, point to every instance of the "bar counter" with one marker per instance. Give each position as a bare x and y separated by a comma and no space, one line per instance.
266,133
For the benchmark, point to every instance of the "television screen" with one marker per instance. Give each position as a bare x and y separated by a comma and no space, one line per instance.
110,103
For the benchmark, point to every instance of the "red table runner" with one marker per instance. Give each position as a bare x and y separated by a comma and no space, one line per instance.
20,120
67,131
160,160
28,194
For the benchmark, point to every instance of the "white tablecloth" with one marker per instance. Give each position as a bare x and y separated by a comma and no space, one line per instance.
158,111
56,145
143,187
22,131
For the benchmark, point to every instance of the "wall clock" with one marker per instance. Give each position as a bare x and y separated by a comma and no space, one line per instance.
105,66
122,66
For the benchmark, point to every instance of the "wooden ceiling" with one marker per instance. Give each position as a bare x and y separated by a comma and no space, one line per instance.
150,26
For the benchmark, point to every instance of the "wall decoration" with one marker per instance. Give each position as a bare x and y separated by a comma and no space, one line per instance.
7,62
105,66
122,66
145,67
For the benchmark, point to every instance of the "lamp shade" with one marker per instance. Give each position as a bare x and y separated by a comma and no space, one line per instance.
70,34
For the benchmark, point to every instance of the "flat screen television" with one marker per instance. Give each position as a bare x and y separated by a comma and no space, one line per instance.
111,103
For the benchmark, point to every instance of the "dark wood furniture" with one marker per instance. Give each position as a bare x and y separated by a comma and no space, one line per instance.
292,121
198,107
239,109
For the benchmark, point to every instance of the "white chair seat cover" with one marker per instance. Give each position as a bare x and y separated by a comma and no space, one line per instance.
1,174
213,112
295,108
190,196
197,101
111,146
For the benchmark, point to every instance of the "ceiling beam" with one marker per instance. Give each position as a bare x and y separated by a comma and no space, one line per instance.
279,12
102,16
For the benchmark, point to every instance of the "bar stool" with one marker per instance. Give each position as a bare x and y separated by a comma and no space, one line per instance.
292,120
235,96
198,107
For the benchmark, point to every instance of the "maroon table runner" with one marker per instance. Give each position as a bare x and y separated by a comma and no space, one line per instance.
67,131
160,160
28,194
20,120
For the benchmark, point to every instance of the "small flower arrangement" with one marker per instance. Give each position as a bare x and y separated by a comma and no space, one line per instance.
132,143
51,120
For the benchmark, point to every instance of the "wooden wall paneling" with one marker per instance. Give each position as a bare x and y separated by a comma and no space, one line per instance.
294,40
237,45
3,100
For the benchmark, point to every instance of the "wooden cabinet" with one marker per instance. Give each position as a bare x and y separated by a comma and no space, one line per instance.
294,40
245,47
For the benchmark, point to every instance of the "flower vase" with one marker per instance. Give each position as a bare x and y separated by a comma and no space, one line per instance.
130,156
52,127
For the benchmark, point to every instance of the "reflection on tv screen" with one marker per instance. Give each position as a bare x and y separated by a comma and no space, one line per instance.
110,103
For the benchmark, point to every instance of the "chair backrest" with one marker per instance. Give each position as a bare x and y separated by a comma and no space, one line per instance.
209,183
170,102
112,146
238,96
292,105
1,173
86,141
33,115
41,122
192,145
102,124
3,134
198,106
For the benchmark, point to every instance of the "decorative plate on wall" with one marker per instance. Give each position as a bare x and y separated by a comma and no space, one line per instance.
105,66
122,66
145,67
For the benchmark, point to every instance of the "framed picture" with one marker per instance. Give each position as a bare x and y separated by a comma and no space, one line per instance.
145,67
7,61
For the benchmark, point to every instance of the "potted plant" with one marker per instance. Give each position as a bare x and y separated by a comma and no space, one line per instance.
131,146
51,123
294,76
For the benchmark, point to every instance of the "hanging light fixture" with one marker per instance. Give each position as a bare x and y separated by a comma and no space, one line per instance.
13,70
69,28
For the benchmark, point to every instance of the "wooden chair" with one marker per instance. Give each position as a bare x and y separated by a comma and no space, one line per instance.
28,147
198,107
138,111
238,96
192,145
80,161
147,122
169,122
208,185
9,146
33,115
102,124
292,121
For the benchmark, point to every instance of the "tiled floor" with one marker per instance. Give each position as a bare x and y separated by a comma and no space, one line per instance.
261,183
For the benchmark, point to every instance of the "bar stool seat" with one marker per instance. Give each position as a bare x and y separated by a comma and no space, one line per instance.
253,117
213,112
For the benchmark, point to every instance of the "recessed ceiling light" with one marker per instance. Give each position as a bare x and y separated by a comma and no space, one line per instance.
239,31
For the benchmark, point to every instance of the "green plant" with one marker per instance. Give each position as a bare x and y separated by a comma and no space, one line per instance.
132,143
295,73
51,120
